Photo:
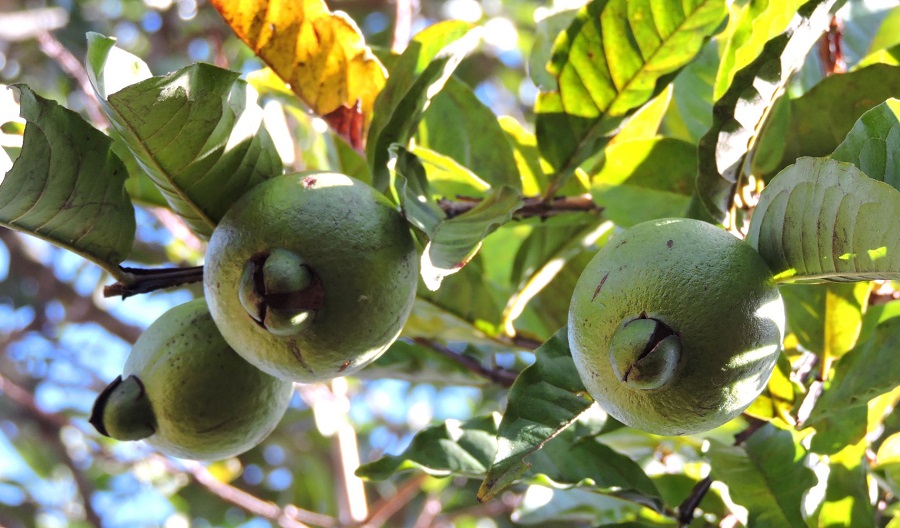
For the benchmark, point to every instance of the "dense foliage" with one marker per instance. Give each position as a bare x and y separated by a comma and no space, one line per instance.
517,139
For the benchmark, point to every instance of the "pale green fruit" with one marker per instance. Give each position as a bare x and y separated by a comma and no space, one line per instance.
187,393
311,276
675,326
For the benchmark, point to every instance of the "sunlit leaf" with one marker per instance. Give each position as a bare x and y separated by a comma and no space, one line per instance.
872,368
631,188
321,54
419,74
766,475
690,114
780,395
742,109
755,24
822,219
67,186
545,399
458,125
614,57
197,132
826,318
873,142
846,501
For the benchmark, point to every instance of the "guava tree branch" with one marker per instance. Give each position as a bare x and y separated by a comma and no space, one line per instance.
500,376
383,510
142,280
532,206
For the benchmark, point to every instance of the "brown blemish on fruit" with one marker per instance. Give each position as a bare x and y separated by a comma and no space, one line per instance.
600,286
308,182
344,366
669,244
299,355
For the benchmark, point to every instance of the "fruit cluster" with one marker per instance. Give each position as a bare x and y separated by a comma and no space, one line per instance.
308,277
674,326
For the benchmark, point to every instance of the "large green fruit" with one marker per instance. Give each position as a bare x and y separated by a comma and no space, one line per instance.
187,393
675,326
311,276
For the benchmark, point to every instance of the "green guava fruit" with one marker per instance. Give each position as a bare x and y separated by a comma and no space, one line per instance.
675,326
311,276
187,393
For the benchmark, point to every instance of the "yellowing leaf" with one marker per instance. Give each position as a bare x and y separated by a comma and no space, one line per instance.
319,53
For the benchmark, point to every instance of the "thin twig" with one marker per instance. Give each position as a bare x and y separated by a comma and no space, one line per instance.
500,376
532,206
53,48
387,507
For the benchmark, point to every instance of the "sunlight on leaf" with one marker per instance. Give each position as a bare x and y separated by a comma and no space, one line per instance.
321,54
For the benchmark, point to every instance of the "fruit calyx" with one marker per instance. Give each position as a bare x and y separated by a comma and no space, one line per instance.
645,353
280,291
123,411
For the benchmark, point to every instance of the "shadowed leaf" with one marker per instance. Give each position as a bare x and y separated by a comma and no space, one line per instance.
197,132
67,186
822,219
740,112
873,143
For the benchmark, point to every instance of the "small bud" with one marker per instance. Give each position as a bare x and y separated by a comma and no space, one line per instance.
644,353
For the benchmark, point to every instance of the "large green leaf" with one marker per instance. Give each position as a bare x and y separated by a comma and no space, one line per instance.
826,318
873,143
418,75
867,371
458,125
690,115
545,399
814,126
822,219
197,132
632,189
67,186
614,57
766,475
743,108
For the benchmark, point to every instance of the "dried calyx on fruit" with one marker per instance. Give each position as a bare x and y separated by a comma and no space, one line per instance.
187,393
311,275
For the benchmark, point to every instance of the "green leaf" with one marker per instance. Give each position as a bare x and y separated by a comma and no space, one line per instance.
741,111
810,130
197,132
545,399
541,257
822,219
418,75
780,395
872,368
758,22
873,142
690,115
826,318
452,240
67,186
458,125
614,57
547,30
450,448
632,189
766,475
847,501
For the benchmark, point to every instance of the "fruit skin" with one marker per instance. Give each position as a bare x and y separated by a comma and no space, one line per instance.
712,290
205,401
355,243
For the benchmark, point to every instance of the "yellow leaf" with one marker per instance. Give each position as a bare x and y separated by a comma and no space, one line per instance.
321,54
